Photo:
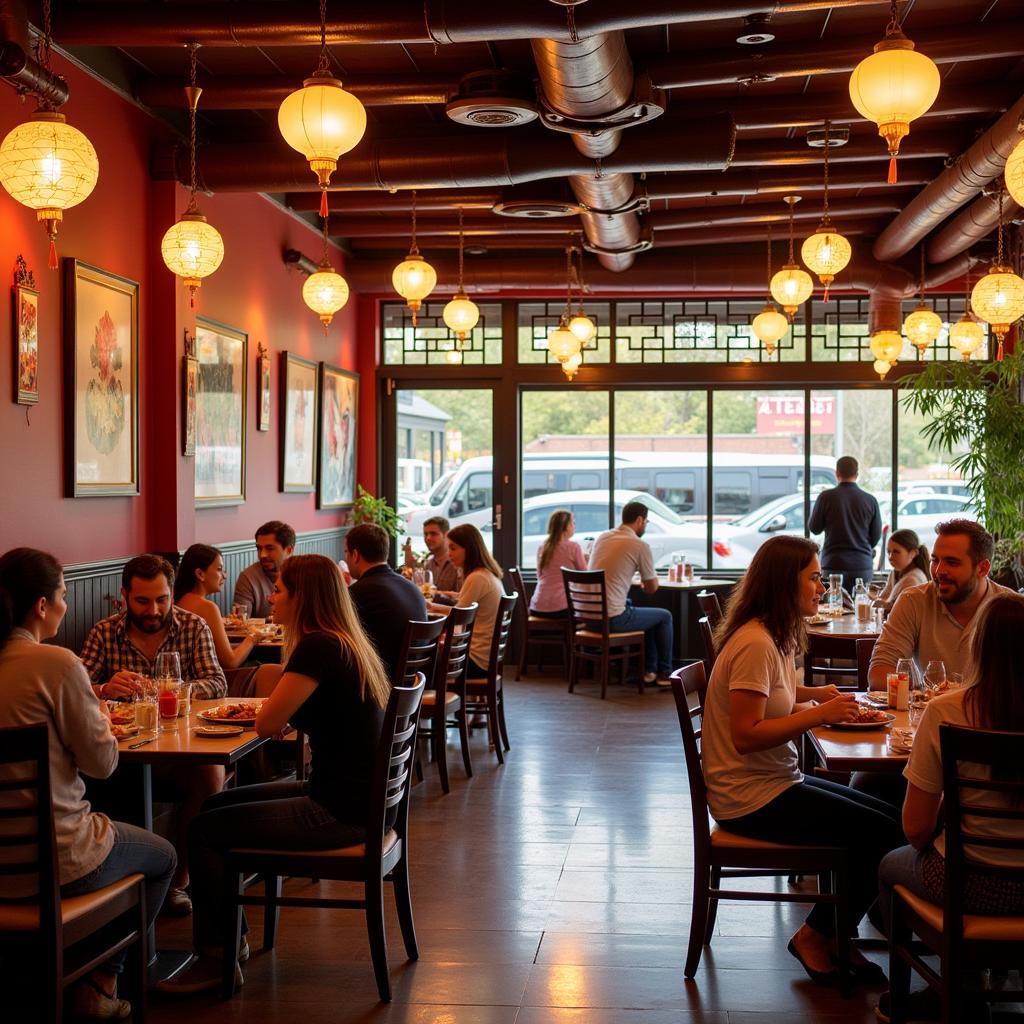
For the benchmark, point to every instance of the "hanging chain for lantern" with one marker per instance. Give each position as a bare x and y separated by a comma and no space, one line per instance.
826,252
461,314
326,291
792,285
923,326
769,325
967,335
998,297
580,324
414,278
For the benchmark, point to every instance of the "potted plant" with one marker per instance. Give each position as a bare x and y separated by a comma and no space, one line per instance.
368,509
975,414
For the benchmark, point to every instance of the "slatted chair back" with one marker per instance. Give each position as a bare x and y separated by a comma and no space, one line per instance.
393,764
865,647
824,647
28,847
710,606
419,651
451,659
587,599
522,614
708,634
689,688
499,638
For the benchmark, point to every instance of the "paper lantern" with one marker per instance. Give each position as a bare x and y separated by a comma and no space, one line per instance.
791,287
563,344
583,327
826,253
570,366
886,347
461,315
769,326
998,299
414,279
1015,174
192,249
922,327
967,335
325,292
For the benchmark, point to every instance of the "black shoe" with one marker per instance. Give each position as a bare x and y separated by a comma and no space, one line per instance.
924,1005
829,979
867,972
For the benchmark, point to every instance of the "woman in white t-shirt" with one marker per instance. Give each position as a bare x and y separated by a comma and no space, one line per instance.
481,584
910,568
751,722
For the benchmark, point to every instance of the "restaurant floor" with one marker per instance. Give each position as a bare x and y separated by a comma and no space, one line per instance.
553,890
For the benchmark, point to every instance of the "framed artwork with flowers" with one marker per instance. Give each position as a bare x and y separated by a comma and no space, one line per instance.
299,407
26,335
101,382
339,406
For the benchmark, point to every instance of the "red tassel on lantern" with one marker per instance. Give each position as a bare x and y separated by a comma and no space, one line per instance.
52,261
892,170
999,351
323,203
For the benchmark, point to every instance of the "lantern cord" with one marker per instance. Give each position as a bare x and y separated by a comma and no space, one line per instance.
461,257
579,273
568,281
44,47
414,248
791,259
921,279
999,236
193,102
769,261
894,18
824,216
324,65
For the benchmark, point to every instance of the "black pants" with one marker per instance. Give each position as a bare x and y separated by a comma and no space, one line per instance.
819,812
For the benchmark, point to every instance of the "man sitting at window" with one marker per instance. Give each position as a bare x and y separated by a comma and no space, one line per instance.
447,578
275,541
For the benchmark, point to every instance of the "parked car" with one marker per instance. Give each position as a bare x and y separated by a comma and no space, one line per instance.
667,533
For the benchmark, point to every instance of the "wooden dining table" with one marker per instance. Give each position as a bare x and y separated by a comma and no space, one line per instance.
858,750
845,625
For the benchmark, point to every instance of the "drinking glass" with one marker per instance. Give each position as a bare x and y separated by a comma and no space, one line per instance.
146,713
168,665
835,595
954,680
935,674
184,700
915,709
417,578
240,613
168,704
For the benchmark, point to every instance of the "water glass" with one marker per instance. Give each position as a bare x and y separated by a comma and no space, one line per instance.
184,700
915,710
935,674
168,665
146,713
240,613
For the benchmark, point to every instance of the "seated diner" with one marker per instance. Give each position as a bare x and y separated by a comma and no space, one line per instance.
558,550
909,560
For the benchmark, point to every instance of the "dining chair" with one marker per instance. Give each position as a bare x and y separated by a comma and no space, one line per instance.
708,635
536,630
719,854
48,930
383,857
592,641
965,942
865,648
419,655
710,606
487,696
824,648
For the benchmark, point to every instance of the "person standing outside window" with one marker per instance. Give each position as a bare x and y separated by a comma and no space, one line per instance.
852,523
275,541
620,553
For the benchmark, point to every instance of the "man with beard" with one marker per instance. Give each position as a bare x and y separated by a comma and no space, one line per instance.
121,650
621,553
275,541
934,620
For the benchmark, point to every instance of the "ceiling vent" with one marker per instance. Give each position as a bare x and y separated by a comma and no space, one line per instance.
836,137
536,209
493,99
755,30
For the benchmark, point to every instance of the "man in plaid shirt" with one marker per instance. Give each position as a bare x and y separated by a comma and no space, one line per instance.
121,649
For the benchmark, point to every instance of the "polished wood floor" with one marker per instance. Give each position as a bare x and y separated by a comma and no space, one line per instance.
553,890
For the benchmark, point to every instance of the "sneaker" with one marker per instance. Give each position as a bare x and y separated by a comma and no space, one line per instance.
201,974
92,1002
177,903
649,677
663,681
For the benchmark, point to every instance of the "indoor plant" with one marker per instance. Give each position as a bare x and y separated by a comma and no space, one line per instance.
368,509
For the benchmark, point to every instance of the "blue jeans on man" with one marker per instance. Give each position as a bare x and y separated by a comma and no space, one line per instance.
657,626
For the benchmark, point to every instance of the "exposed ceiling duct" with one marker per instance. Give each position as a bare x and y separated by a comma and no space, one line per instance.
957,185
978,221
19,69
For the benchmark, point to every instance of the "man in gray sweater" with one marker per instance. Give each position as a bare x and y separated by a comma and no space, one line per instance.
275,541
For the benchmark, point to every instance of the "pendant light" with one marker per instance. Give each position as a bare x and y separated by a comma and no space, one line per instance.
571,366
321,120
826,252
414,278
581,325
769,325
998,298
461,314
326,291
562,343
1015,173
45,163
893,86
886,347
191,247
923,326
967,335
791,287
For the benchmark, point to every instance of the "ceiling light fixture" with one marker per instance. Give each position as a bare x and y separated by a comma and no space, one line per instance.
998,298
414,278
923,326
461,314
886,347
826,252
581,325
967,335
563,344
326,291
769,325
792,285
321,120
45,163
893,86
191,247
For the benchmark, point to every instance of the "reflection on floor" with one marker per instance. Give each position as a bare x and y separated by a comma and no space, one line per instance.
554,890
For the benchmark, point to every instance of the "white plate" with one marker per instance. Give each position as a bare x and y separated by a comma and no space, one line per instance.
889,719
218,732
209,715
815,620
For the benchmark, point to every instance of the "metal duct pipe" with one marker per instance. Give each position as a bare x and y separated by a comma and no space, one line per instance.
724,67
22,71
587,80
981,218
841,213
485,160
398,21
268,92
885,312
399,202
953,188
768,152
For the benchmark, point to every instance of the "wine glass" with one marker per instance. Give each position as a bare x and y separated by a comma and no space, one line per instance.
935,674
168,665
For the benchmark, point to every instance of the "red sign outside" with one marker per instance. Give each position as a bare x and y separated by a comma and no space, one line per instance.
777,415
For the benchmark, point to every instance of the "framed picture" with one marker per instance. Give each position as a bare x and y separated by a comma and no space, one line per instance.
189,386
299,408
339,402
101,382
25,335
263,389
220,413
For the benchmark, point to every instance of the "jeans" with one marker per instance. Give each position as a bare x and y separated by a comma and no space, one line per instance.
135,851
899,867
657,626
280,815
817,811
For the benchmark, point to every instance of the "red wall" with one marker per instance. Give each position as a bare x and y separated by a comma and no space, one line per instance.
118,228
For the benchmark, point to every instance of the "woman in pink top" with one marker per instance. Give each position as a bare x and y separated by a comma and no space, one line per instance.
557,550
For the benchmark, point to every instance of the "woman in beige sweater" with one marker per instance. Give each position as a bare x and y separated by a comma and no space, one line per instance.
45,683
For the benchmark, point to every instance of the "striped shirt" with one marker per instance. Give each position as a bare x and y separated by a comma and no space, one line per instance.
108,650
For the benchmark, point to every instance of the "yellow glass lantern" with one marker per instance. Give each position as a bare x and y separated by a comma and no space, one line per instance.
922,327
454,356
998,299
791,287
325,292
826,253
769,326
414,279
563,344
894,86
193,249
461,315
1015,174
48,166
967,335
881,367
583,327
571,366
886,347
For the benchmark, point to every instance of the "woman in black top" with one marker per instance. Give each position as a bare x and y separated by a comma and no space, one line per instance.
334,689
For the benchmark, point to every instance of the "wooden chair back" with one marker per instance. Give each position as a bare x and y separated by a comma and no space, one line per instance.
499,638
587,599
708,633
522,613
452,655
710,606
419,651
823,646
689,688
865,648
29,843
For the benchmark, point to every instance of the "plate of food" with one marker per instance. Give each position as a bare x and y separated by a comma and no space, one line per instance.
815,620
867,718
121,714
122,732
218,731
235,713
879,697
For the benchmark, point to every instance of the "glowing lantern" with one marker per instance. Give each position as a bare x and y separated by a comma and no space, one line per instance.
967,335
414,279
1015,174
826,253
583,327
791,287
570,366
769,326
886,347
325,292
998,298
461,315
563,344
922,328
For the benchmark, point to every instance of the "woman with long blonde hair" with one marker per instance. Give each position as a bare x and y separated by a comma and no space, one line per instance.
333,688
558,550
